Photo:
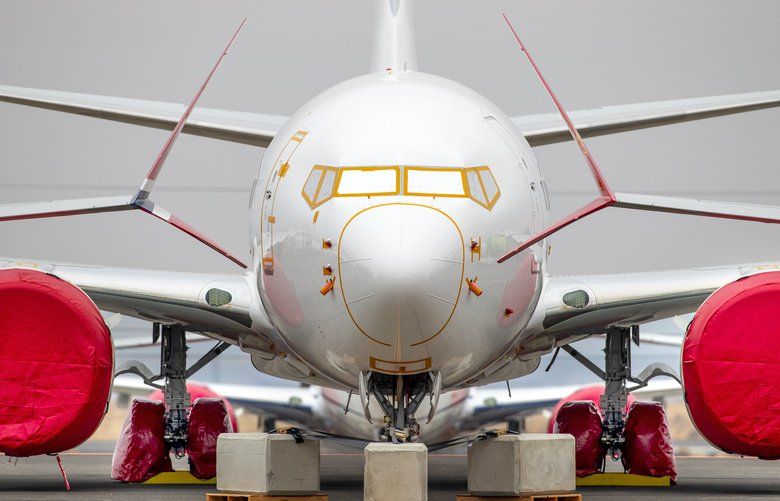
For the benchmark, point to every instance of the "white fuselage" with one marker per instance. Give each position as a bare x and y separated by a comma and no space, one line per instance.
400,244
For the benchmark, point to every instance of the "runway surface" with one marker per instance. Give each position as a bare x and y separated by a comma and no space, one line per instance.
342,479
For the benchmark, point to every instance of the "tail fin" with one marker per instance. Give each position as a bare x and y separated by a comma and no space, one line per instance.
394,45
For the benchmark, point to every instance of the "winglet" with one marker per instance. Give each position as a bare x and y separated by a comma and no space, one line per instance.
608,198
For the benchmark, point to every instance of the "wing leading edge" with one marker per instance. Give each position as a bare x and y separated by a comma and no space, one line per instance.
241,127
549,128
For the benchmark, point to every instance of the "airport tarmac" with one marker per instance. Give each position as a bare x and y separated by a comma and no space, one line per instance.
342,478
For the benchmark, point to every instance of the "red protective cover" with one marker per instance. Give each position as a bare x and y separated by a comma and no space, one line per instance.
197,391
56,364
730,368
648,447
591,392
583,420
208,418
140,451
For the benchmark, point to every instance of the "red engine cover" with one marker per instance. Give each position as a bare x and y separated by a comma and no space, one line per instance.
731,369
56,364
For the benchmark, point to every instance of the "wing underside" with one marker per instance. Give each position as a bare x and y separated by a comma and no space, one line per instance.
596,302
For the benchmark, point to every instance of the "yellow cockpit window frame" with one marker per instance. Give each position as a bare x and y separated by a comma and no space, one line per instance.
341,170
322,170
480,171
402,188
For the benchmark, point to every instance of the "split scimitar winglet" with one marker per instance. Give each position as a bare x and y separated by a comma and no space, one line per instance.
139,201
608,198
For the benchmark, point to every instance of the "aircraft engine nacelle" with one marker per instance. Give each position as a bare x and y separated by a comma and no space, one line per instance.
731,367
56,364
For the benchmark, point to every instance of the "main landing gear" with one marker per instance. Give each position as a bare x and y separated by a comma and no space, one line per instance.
400,397
177,426
623,430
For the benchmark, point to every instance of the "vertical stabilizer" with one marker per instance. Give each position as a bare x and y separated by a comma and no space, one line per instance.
394,36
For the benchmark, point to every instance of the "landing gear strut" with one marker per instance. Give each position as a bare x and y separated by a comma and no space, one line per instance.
617,365
173,367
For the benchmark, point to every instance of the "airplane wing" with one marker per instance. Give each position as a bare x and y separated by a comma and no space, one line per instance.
241,127
259,129
492,405
287,403
194,300
549,128
588,304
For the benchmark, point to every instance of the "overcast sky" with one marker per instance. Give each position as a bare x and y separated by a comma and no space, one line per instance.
593,53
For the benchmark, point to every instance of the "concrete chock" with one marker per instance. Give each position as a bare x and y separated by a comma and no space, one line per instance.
267,463
395,471
510,465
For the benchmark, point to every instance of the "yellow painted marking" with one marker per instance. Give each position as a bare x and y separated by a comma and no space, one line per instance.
178,477
316,215
623,479
403,365
462,268
272,219
284,169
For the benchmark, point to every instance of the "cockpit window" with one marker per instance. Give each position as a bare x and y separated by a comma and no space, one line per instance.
482,186
367,181
435,181
476,183
318,187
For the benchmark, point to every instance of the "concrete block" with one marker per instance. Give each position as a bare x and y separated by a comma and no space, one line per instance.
268,464
395,471
518,464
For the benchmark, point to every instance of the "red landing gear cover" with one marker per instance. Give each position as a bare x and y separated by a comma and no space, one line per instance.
583,420
730,367
56,364
197,391
648,447
140,451
208,418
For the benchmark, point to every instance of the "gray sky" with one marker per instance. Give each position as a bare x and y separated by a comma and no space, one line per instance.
593,53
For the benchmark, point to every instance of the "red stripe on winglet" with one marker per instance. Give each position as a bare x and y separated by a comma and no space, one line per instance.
601,182
189,230
158,163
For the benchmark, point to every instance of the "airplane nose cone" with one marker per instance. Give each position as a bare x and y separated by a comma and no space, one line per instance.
401,270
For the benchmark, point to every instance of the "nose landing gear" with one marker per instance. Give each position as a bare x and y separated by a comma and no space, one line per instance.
400,397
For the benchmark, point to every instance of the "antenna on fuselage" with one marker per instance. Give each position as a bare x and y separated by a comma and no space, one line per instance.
394,47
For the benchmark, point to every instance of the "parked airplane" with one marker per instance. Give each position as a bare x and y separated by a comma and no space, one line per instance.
399,240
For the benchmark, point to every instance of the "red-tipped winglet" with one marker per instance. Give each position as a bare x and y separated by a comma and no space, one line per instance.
142,197
607,197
